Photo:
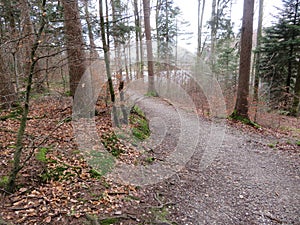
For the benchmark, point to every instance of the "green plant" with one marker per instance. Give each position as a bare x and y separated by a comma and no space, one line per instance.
151,94
3,181
150,160
68,93
109,221
271,145
41,154
298,142
95,174
15,114
110,142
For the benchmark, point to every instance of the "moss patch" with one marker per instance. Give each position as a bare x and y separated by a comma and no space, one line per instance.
244,120
140,124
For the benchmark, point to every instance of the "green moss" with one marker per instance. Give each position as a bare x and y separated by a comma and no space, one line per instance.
298,143
137,119
161,214
3,181
14,114
95,174
271,145
151,94
110,142
150,160
101,162
57,173
109,221
68,93
244,120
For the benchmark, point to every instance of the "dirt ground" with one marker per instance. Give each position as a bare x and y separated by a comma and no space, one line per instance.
202,171
249,181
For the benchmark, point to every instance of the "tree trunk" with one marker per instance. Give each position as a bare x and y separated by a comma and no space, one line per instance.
241,106
7,91
74,43
106,52
296,100
257,57
141,50
28,31
151,86
213,34
157,13
200,22
137,30
93,52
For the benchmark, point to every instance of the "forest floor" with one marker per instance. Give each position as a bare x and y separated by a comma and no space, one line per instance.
222,173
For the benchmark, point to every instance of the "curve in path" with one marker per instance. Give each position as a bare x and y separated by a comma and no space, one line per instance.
245,183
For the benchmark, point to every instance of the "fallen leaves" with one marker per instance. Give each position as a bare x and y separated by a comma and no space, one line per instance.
60,188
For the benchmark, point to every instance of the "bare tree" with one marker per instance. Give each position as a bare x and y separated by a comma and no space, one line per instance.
138,39
93,52
257,55
74,43
242,105
151,86
7,90
200,23
296,100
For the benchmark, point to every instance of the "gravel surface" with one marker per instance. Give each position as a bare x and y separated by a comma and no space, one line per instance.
220,175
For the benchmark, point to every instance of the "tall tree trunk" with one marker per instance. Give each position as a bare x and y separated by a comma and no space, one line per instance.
93,52
241,106
106,52
141,46
137,30
7,91
115,17
74,43
151,86
157,13
296,100
213,33
200,23
28,31
14,45
257,56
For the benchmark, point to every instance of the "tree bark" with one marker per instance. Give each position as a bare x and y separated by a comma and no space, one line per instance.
151,86
7,90
213,34
257,58
93,52
241,106
106,52
74,43
200,22
296,100
137,30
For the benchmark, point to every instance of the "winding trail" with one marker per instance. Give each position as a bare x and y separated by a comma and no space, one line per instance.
244,181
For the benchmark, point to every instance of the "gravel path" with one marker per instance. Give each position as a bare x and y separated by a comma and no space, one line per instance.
238,181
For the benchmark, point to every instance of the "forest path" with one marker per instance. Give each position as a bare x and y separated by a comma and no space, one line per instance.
247,182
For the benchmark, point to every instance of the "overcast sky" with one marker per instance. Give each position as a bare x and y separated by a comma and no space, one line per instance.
189,10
